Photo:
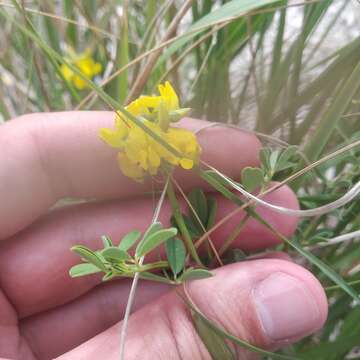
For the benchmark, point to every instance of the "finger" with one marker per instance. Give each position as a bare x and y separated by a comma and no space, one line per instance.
87,316
42,251
269,303
253,235
271,255
76,322
46,157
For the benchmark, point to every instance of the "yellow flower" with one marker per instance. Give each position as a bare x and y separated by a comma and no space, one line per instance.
139,153
86,65
169,96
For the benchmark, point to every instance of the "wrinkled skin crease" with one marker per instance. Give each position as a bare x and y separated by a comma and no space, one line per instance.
12,344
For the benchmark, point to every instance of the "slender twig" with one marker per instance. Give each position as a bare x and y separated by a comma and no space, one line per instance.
234,234
349,115
135,281
337,287
337,240
350,195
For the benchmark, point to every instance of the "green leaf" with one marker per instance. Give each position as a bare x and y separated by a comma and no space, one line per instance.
196,274
284,158
175,251
195,230
107,241
83,269
156,226
153,240
114,254
224,12
129,240
175,206
89,256
221,332
327,270
332,350
252,178
327,124
108,276
215,344
177,115
264,159
212,205
273,159
198,201
153,277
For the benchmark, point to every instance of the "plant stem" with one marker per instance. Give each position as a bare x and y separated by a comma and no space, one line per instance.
152,266
181,224
234,234
136,280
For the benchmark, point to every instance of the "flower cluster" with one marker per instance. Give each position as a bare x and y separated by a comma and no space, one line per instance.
139,153
86,65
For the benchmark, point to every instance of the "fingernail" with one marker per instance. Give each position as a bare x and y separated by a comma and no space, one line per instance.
285,307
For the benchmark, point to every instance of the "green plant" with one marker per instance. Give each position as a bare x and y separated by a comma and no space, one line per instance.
286,90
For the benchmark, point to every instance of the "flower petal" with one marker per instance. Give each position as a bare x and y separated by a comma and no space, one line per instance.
186,164
112,137
129,168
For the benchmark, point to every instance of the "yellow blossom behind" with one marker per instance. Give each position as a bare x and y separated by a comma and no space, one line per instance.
87,66
139,154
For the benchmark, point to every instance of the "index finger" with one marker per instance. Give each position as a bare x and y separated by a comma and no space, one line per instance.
49,156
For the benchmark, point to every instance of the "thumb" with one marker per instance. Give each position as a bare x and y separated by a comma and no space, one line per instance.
267,302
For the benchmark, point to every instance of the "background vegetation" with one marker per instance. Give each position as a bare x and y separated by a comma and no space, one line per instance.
289,70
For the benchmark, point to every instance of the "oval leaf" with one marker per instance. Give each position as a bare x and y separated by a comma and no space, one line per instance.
153,240
212,205
215,343
83,269
274,156
198,201
156,226
115,254
196,274
252,178
106,241
89,256
284,161
195,231
175,251
264,159
129,240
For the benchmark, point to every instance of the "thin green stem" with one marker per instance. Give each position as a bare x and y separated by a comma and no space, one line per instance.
181,224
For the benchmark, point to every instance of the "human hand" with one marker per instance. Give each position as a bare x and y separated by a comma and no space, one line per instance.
44,314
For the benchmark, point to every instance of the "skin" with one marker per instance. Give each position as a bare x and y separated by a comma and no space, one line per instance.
45,314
